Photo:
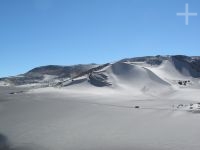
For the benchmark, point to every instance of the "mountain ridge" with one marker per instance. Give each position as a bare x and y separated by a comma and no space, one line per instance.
51,75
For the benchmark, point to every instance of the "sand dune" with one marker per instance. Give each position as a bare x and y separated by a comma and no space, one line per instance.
134,104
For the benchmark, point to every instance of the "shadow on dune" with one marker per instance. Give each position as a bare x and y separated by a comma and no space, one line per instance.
3,142
6,145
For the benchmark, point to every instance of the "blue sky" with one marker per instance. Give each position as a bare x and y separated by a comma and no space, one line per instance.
65,32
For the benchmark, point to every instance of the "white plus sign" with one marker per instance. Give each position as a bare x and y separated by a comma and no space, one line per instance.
186,14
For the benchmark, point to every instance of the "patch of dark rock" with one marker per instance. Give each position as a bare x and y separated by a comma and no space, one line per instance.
99,80
183,82
18,92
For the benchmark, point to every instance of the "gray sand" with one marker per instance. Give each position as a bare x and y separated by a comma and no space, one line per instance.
41,121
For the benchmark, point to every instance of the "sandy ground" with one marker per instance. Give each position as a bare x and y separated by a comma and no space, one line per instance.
53,120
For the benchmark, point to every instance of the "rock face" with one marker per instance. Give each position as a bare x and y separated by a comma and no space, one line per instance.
189,66
99,80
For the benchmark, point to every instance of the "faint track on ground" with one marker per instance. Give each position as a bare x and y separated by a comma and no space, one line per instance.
133,107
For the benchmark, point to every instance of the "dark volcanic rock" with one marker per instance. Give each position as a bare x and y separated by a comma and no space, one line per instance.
152,60
189,66
99,79
61,71
36,75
